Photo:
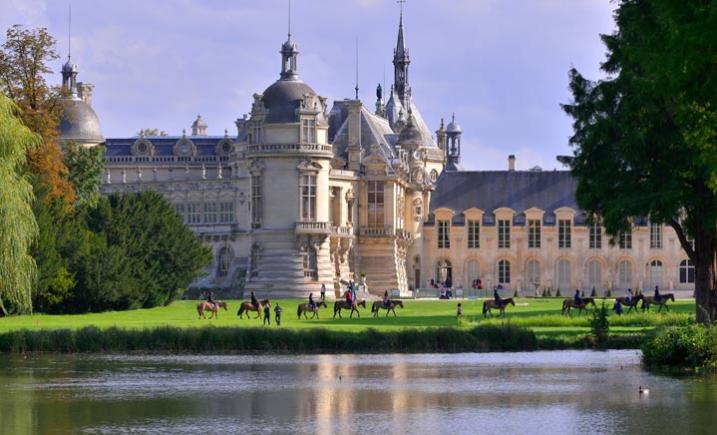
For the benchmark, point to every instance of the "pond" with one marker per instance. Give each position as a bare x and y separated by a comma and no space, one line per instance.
539,392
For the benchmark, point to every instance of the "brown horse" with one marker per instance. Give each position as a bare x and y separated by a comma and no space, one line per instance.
304,308
632,303
391,307
650,300
489,304
346,305
212,308
246,306
568,304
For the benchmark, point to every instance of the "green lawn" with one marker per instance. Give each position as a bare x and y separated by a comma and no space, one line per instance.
542,315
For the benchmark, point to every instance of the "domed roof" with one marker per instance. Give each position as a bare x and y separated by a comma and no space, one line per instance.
453,127
410,134
79,123
283,98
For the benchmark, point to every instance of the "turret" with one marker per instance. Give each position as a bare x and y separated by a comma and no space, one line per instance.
453,149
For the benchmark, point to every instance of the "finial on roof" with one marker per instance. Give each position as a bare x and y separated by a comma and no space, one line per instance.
69,33
226,133
441,123
357,71
453,117
184,132
289,32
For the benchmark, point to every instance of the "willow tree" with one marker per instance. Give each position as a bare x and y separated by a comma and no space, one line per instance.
17,221
645,137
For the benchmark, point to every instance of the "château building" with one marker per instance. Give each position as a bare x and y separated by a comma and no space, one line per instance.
303,194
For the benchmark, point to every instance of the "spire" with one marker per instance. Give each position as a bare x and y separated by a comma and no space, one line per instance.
357,64
401,62
289,53
69,70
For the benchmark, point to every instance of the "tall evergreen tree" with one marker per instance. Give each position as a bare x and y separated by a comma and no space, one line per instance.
17,222
645,137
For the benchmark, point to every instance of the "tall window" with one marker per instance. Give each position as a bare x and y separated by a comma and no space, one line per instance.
194,213
625,241
504,233
687,272
595,236
533,233
375,204
624,273
473,234
311,269
504,272
563,272
533,273
223,260
257,200
210,212
564,239
308,130
226,212
655,273
180,211
444,237
655,236
255,137
308,197
594,274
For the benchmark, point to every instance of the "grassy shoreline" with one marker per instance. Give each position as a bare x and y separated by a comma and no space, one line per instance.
422,326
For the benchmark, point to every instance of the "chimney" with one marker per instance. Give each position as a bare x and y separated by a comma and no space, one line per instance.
511,162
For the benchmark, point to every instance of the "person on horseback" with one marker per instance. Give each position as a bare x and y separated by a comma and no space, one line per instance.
496,296
210,300
629,296
577,299
657,294
386,300
254,301
311,301
349,297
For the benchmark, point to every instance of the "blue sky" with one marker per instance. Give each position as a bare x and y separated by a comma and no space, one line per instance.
500,65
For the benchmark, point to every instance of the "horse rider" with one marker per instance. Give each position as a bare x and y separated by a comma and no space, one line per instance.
496,296
629,296
323,292
577,300
386,300
254,301
311,301
210,300
657,294
349,297
353,289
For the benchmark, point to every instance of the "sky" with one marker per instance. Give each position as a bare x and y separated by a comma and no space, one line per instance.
500,65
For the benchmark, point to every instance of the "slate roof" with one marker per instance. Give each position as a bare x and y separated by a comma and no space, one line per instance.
518,190
282,99
374,130
163,145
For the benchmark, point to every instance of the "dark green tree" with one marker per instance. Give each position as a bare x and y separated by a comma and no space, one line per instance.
645,137
85,166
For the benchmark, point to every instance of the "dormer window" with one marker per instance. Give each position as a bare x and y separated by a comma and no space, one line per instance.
308,131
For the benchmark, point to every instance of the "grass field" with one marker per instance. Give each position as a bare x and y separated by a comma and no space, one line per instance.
540,315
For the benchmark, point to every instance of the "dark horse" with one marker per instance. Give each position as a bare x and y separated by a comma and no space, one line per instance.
392,304
304,308
246,306
568,304
632,304
346,305
489,304
204,306
650,300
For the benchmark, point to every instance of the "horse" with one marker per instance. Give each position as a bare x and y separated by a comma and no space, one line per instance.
212,308
247,306
632,303
568,304
345,305
304,308
650,300
489,304
392,304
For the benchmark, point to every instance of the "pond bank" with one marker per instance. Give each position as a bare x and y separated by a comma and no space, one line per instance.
483,338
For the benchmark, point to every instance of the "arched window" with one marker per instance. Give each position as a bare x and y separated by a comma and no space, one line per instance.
472,271
311,269
563,273
504,272
444,272
654,273
533,273
594,274
624,275
223,261
687,272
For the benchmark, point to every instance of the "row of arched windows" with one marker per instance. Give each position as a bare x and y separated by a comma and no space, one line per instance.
563,273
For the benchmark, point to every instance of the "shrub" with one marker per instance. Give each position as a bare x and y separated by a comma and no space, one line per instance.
557,293
593,293
683,348
608,293
600,324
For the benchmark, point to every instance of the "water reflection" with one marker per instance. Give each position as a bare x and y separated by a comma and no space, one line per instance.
541,392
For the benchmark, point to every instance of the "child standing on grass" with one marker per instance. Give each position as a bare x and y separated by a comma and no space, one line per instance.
267,314
459,312
277,314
